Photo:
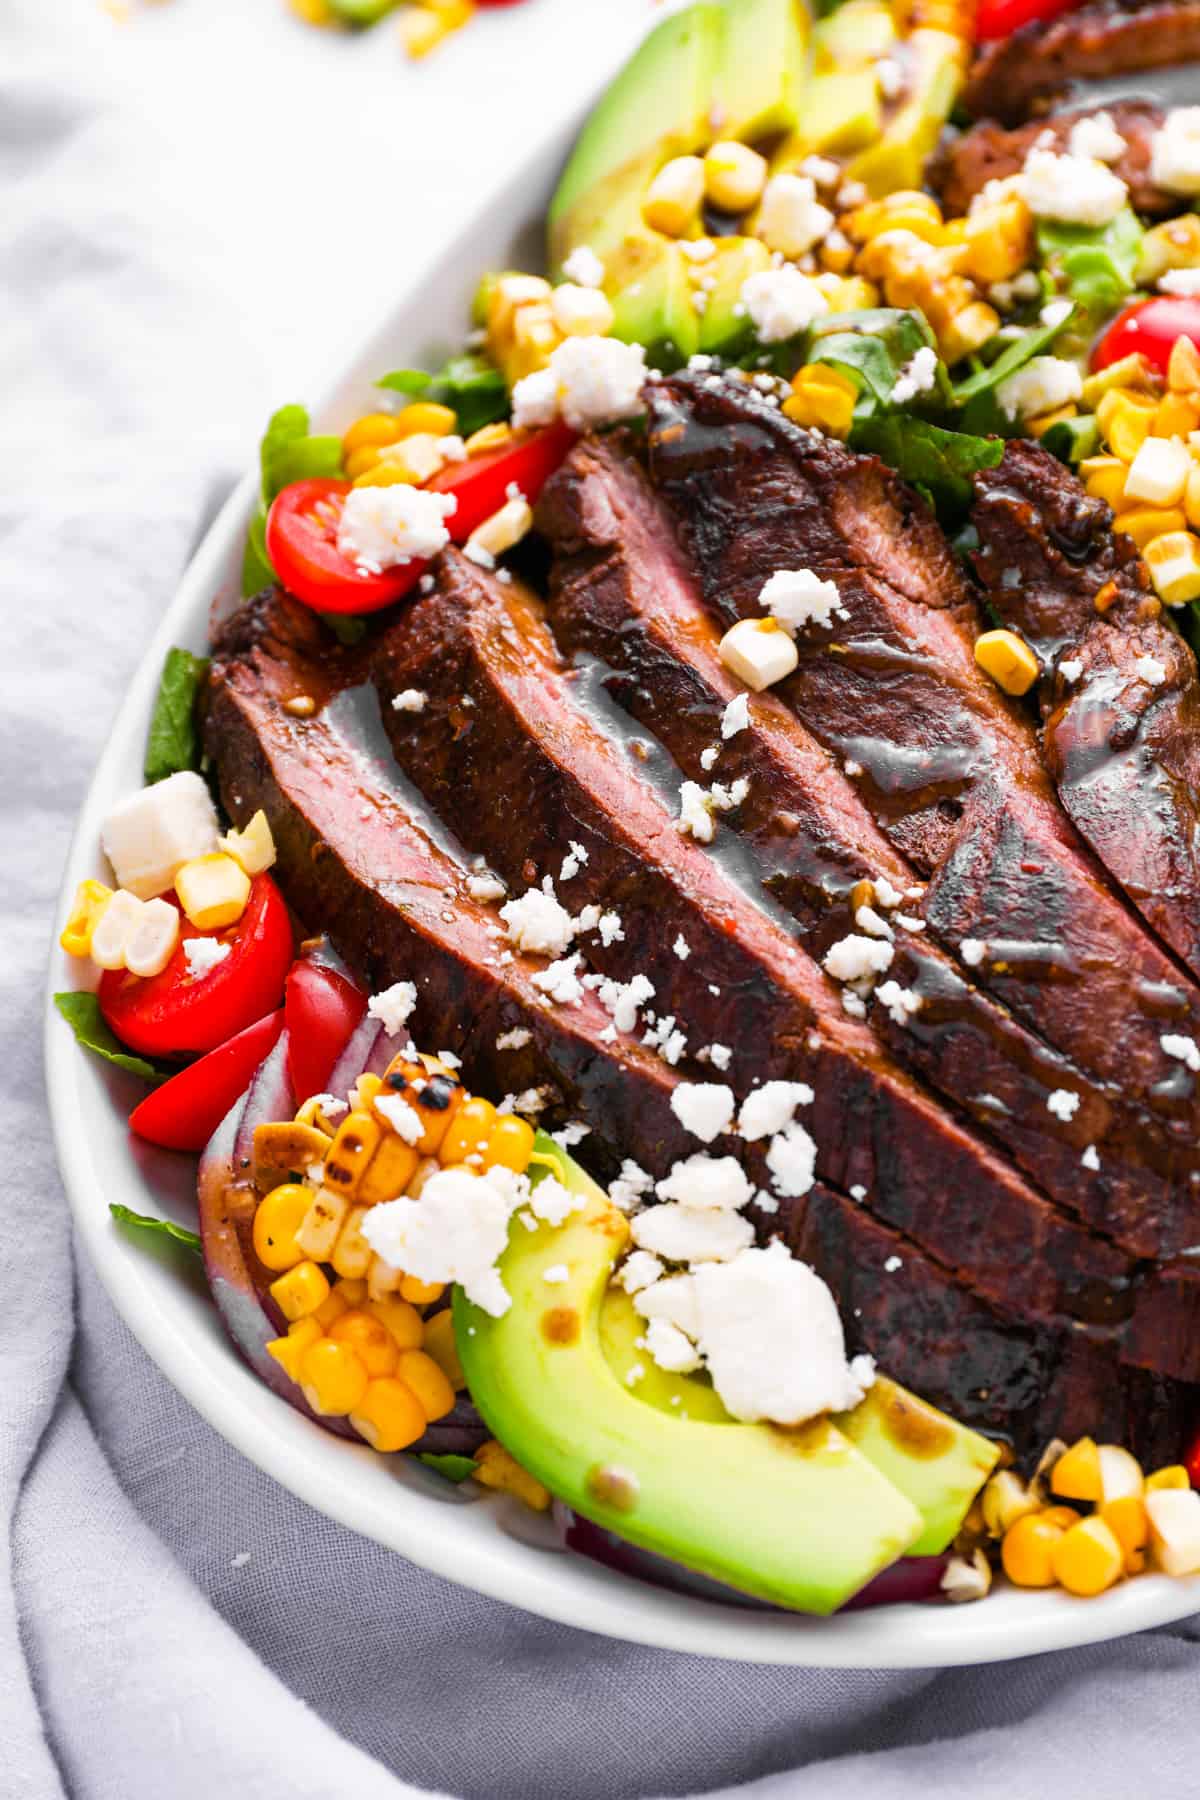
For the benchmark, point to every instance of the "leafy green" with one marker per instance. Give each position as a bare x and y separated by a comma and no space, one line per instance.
158,1227
1073,439
975,397
1095,262
406,381
363,12
83,1015
173,742
470,384
451,1468
288,453
942,462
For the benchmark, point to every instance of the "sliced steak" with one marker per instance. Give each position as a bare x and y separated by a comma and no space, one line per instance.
1120,693
1016,77
989,152
622,592
949,768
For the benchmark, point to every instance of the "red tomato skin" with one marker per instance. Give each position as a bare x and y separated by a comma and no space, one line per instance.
1151,328
171,1014
481,483
1192,1462
184,1112
304,554
322,1010
1000,18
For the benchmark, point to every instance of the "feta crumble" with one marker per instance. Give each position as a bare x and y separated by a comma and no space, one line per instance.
630,1186
1091,1157
413,700
696,812
560,980
781,302
455,1230
623,999
670,1348
857,958
797,597
383,527
1075,190
918,376
203,954
1150,670
1063,1104
552,1202
573,861
1175,151
1183,1049
901,1003
1097,137
973,951
1043,385
790,218
584,267
705,1108
681,948
538,923
556,1273
770,1108
404,1119
703,1183
394,1006
639,1270
736,716
1070,668
588,381
685,1235
792,1160
516,1039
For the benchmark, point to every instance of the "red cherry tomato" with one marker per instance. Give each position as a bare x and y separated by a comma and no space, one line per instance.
302,529
322,1009
1000,18
481,483
174,1013
1192,1462
184,1112
1151,327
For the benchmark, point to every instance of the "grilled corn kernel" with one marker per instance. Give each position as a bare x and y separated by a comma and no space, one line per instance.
91,898
440,1344
421,1293
389,1171
361,462
1040,426
509,294
1142,523
1175,416
1175,245
1126,1519
436,1098
350,1154
1104,479
276,1222
1005,1499
1174,564
301,1291
370,431
401,1319
1158,472
509,1145
999,241
426,418
1088,1558
213,891
370,1340
581,311
1191,498
1027,1553
313,1114
1125,419
387,474
674,197
382,1279
1134,373
286,1148
330,1309
967,331
364,1092
333,1378
417,458
1173,1476
905,210
506,527
495,1468
823,397
389,1415
488,438
254,848
353,1291
351,1255
1183,366
289,1351
734,176
473,1125
322,1222
1076,1474
1062,1516
1009,661
423,1376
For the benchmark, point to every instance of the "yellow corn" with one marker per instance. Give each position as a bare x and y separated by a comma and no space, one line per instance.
282,1148
370,1340
905,210
322,1222
848,293
1174,416
1142,523
489,437
673,199
421,1293
313,1114
352,1291
425,1379
440,1345
1009,661
426,417
1087,1558
364,1091
301,1291
382,1279
734,176
386,474
254,848
369,432
1040,426
351,1255
1004,1500
418,455
535,337
1076,1474
495,1468
1135,373
388,1415
823,397
999,241
330,1309
91,898
278,1218
1173,1476
350,1154
469,1132
1126,1519
213,891
509,1145
914,273
505,528
289,1351
1104,478
1183,366
401,1319
333,1378
389,1171
581,311
1175,245
435,1098
361,461
1062,1516
422,30
1173,560
1125,420
1027,1553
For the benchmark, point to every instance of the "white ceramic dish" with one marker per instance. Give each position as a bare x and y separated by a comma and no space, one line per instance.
486,1544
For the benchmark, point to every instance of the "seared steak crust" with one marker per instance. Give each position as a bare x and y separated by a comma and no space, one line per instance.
1016,77
989,152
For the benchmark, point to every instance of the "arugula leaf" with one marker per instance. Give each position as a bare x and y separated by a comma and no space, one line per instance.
1096,262
158,1227
288,453
173,742
83,1015
405,381
873,348
470,384
942,462
975,396
1073,439
450,1467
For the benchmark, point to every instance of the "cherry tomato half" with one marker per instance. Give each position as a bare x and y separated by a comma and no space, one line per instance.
184,1112
1000,18
481,483
322,1009
302,529
174,1012
1151,327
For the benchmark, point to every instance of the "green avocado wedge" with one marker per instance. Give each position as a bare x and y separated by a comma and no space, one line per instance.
800,1518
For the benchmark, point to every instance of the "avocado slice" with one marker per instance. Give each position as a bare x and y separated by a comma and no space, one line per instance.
825,1520
939,1464
761,69
722,329
647,282
936,63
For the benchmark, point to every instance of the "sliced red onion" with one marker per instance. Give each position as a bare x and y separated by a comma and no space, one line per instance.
359,1057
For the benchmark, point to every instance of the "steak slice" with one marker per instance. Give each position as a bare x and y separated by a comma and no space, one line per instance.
1016,77
1120,694
949,767
623,593
506,756
989,152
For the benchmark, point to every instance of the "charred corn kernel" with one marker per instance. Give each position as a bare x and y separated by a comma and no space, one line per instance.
1004,1500
473,1125
369,1339
418,456
322,1222
823,397
508,294
361,462
509,1145
999,241
401,1319
495,1468
436,1098
488,438
535,337
278,1218
288,1351
734,175
301,1291
1120,1473
333,1378
1009,661
426,417
421,1293
350,1154
286,1148
353,1291
314,12
1124,418
370,431
389,1415
966,331
506,527
364,1091
91,898
330,1310
440,1344
1062,1516
313,1114
1040,426
1127,1520
581,311
1183,366
674,197
1142,523
1134,373
423,1376
1104,479
1191,498
389,1172
1158,472
1174,416
213,891
848,293
386,474
382,1279
1087,1558
1027,1552
254,848
1174,564
1076,1474
905,210
351,1255
1174,1475
1175,245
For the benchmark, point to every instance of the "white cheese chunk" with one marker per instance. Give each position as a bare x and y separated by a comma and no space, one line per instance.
585,267
148,837
684,1235
1063,1104
588,381
670,1348
1175,152
410,700
538,923
1075,190
696,812
1174,1515
404,1119
455,1230
856,958
674,1299
1158,472
552,1202
1044,384
638,1271
790,218
792,1160
1182,1049
202,953
918,376
394,1006
1097,137
384,527
758,653
736,716
769,1108
705,1108
795,598
702,1183
781,302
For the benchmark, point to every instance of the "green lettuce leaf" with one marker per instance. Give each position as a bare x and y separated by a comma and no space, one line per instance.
83,1015
158,1227
1073,439
1095,263
975,397
872,348
173,742
470,384
406,381
288,453
450,1467
938,461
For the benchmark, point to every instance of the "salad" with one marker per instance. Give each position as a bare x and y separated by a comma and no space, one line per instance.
671,913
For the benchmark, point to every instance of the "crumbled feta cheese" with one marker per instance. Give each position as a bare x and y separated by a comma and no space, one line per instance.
413,700
681,949
552,1202
203,954
1056,312
610,929
1045,383
705,1108
696,812
670,1349
708,756
1070,668
673,1299
588,381
885,893
148,837
853,1004
901,1003
404,1119
857,958
821,169
1183,1049
973,951
1175,152
868,920
1063,1104
703,1183
585,267
1097,137
516,1039
770,1108
1075,190
383,527
892,1264
781,303
454,1231
573,861
393,1007
537,923
736,716
792,1160
790,218
772,1339
571,1134
1091,1157
684,1235
758,652
448,1059
797,597
622,999
918,376
719,1055
486,887
1150,670
639,1270
560,981
556,1274
630,1186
